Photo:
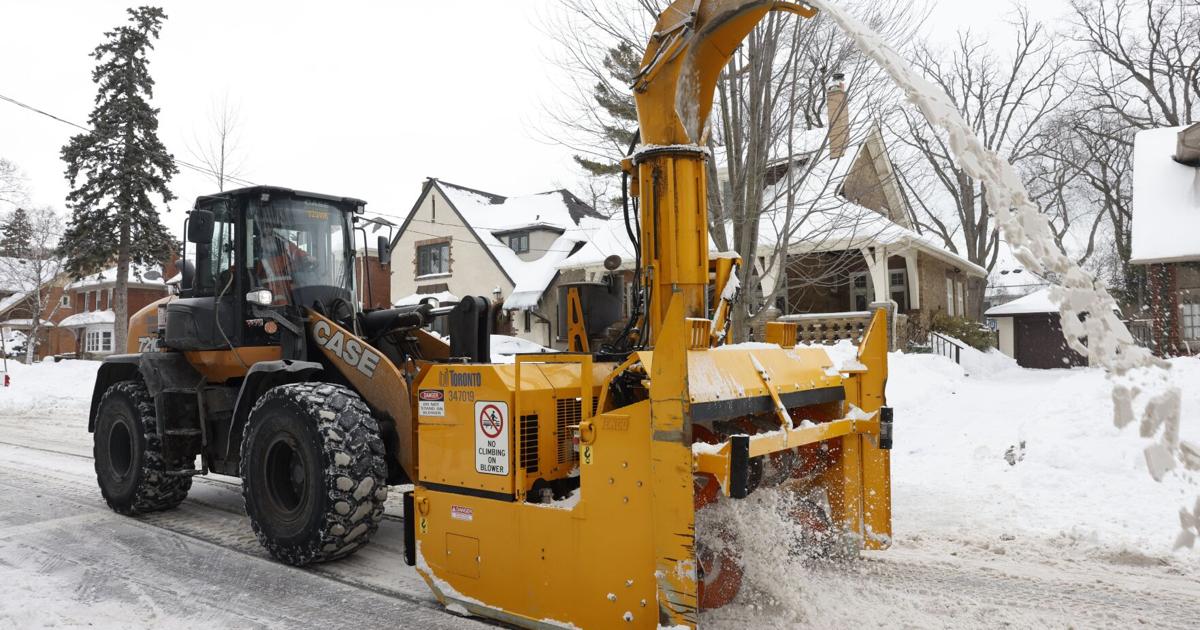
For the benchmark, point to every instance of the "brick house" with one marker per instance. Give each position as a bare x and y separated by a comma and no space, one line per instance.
86,324
1166,233
17,305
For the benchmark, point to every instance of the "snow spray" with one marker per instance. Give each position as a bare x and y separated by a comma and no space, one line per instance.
1089,322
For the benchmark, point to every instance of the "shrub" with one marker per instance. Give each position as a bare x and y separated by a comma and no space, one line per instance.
965,330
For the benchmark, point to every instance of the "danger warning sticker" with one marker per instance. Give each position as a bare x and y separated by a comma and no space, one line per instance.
491,437
431,403
460,513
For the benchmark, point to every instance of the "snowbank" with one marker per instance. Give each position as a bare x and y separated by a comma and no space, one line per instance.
1077,478
49,388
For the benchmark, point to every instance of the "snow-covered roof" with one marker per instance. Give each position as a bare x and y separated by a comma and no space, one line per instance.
608,237
24,322
1166,200
1037,302
86,319
488,214
12,300
415,298
138,274
1010,277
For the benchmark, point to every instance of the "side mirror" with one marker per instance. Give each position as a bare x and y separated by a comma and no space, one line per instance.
187,274
200,227
384,247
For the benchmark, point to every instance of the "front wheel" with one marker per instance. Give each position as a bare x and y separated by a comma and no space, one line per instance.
313,472
128,453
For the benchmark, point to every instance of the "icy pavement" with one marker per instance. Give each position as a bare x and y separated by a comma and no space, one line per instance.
1073,534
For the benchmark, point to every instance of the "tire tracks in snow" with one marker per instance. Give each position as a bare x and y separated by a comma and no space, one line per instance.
207,519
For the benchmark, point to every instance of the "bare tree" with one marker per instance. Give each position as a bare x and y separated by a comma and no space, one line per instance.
12,183
219,150
1139,68
768,128
36,275
1006,101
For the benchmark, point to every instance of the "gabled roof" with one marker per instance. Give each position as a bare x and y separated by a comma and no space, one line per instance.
1166,200
810,212
487,215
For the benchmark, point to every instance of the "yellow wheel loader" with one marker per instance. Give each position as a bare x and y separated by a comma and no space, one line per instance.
557,490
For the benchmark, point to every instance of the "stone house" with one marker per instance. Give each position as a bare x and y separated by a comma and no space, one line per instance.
1166,233
458,241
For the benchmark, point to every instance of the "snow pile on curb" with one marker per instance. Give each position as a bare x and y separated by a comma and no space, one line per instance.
49,388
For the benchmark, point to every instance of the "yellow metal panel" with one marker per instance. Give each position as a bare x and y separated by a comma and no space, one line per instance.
218,366
374,377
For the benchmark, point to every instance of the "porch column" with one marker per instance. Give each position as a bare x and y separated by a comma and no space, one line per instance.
914,279
877,266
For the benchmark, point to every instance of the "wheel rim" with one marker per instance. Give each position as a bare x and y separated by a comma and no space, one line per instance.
120,450
287,481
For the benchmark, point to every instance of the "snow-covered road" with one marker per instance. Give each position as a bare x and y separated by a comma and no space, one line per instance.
1076,534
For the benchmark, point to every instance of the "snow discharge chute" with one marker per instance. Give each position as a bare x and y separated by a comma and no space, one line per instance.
1089,322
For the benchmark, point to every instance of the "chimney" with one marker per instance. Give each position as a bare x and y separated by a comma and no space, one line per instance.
839,117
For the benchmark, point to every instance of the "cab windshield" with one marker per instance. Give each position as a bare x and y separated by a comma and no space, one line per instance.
299,243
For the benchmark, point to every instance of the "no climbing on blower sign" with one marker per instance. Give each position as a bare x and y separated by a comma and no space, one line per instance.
491,437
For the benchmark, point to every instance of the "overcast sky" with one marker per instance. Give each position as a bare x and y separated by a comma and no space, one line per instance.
364,99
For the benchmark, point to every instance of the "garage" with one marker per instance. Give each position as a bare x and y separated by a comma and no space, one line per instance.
1031,332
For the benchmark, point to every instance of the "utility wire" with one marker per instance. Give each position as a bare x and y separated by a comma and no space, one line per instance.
201,169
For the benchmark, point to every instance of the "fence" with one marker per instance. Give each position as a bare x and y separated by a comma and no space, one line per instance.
945,346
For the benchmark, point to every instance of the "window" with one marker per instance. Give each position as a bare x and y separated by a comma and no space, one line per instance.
962,299
98,341
65,301
860,291
528,320
898,279
433,259
1189,321
519,242
950,297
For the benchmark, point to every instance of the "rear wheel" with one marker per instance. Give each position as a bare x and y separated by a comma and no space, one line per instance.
313,472
128,456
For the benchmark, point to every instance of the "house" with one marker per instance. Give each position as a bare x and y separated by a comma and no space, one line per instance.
458,241
18,278
849,236
86,326
854,243
1166,233
1030,331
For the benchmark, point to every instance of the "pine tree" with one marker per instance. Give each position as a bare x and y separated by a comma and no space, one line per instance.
116,167
621,63
16,235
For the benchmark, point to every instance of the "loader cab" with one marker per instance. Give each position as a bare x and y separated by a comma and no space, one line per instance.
257,253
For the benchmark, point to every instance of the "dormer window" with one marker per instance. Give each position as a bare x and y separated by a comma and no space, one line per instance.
519,242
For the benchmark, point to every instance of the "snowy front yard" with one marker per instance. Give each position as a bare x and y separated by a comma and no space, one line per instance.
1076,508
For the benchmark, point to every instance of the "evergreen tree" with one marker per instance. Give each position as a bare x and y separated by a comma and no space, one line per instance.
16,235
621,63
116,167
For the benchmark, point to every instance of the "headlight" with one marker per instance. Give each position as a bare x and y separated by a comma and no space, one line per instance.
261,297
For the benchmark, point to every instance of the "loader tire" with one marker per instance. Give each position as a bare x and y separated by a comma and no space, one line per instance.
313,472
128,456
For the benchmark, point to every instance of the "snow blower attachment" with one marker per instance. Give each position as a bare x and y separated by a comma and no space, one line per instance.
516,523
561,489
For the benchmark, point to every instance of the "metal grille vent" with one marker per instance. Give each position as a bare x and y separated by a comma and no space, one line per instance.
529,443
569,414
